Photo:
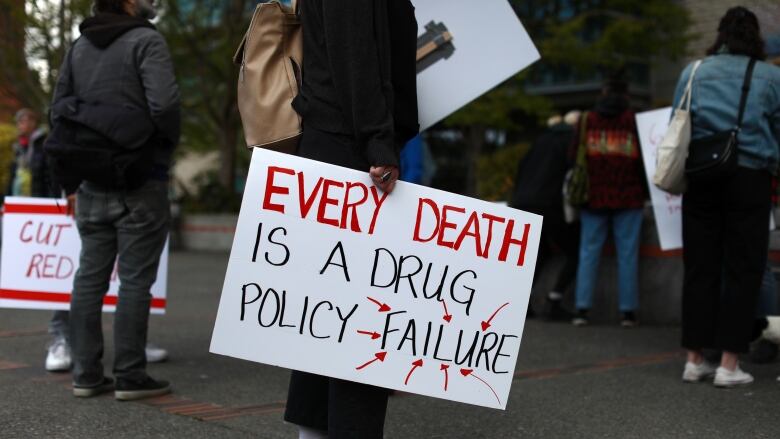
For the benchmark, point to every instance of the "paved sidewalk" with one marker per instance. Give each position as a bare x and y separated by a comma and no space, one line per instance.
593,382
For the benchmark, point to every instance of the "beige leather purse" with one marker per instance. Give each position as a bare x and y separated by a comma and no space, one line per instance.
270,57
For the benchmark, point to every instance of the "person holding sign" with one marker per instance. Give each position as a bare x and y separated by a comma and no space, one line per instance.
358,102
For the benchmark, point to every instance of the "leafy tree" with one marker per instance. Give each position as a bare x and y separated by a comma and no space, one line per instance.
582,35
41,31
203,36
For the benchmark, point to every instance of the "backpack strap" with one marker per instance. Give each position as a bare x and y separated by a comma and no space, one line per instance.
745,91
685,102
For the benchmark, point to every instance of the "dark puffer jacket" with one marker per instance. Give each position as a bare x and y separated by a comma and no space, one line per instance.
123,61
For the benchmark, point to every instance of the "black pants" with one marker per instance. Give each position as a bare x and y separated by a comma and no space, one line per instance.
557,235
344,409
725,240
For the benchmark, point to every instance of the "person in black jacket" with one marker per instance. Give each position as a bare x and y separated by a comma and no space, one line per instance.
358,102
538,189
122,64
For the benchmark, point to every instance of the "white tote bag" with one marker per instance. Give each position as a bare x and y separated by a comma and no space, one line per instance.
673,149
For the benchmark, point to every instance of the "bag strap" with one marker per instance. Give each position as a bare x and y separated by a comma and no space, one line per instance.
582,148
685,102
745,91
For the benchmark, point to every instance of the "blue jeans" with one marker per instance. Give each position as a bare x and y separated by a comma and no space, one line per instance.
133,226
626,228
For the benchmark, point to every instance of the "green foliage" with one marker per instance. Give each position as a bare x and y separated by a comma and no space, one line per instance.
212,197
497,172
7,138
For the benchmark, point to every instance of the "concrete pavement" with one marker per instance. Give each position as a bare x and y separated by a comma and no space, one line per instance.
593,382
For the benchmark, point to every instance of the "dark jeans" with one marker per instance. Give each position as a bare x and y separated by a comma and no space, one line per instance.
134,227
557,235
58,325
725,224
344,409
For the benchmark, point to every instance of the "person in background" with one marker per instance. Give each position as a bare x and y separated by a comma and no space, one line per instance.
726,220
538,189
121,62
358,102
29,177
616,198
417,163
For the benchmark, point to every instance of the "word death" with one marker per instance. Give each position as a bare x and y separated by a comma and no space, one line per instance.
478,229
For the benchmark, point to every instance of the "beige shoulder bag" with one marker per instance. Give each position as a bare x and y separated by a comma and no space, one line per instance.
270,57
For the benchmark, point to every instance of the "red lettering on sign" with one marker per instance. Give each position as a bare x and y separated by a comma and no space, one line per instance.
325,201
509,240
271,189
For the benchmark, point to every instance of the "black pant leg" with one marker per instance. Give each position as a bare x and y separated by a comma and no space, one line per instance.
746,239
307,400
569,242
357,411
703,260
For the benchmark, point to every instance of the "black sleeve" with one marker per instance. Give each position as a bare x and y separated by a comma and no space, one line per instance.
351,33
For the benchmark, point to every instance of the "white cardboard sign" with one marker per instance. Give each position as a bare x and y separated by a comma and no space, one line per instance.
422,291
484,45
40,256
667,208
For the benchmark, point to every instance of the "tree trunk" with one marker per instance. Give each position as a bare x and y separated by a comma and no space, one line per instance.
227,157
476,140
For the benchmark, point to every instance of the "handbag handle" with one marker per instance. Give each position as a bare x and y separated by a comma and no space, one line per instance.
685,102
745,91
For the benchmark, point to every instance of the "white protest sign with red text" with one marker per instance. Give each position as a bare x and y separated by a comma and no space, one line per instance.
422,291
652,126
40,256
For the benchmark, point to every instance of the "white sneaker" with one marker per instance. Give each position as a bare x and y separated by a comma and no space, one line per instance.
772,332
694,373
155,354
58,359
729,378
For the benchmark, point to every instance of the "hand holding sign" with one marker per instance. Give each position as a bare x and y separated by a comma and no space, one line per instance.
383,290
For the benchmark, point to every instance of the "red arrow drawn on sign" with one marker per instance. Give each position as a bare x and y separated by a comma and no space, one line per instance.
415,365
447,315
374,335
486,325
444,367
467,372
382,306
379,356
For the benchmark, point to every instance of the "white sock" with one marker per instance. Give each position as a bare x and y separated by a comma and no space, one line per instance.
311,433
554,295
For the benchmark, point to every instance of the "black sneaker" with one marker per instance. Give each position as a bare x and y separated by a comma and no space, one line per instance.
628,320
127,390
89,391
555,312
581,319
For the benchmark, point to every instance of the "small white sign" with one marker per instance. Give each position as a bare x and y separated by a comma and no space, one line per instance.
421,291
40,256
652,126
466,48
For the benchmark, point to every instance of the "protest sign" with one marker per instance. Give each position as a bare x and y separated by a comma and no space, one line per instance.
40,256
667,208
422,290
464,49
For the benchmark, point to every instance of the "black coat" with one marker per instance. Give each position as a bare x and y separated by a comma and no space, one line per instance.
359,73
540,174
